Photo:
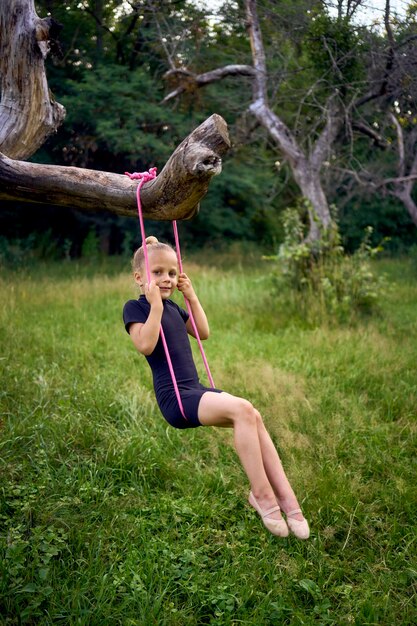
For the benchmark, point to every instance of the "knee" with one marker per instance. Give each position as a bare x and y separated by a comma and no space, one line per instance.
246,412
259,419
258,416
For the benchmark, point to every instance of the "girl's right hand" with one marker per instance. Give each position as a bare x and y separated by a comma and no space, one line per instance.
153,294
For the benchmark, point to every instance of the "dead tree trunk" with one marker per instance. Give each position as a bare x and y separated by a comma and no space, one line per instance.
28,114
305,167
407,169
405,196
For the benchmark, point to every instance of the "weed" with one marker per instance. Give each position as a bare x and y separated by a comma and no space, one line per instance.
319,280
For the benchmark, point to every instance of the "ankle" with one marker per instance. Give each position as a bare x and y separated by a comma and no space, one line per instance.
288,505
264,494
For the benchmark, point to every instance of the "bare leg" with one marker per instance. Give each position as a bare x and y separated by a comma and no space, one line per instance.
227,410
275,471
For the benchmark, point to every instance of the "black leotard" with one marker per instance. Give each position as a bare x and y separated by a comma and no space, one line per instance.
173,321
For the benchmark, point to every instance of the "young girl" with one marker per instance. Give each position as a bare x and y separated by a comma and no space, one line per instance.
203,406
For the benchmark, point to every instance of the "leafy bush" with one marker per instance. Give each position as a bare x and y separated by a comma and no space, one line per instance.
413,259
14,252
20,251
320,279
90,248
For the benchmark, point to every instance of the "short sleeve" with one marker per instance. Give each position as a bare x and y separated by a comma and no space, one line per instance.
135,311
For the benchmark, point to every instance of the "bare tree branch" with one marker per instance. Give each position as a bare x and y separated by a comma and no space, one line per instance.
306,173
192,81
400,143
397,180
161,38
387,23
328,135
382,86
407,200
365,129
258,52
306,161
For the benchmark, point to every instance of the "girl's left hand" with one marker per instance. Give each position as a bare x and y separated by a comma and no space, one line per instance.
184,285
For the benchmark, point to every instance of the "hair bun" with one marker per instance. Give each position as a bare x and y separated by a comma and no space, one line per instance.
151,240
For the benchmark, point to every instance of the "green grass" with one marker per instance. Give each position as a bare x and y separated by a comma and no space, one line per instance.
108,516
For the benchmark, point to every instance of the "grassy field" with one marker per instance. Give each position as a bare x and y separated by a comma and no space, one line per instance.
109,517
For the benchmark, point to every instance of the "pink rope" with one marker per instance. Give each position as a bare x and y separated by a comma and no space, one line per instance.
144,177
193,324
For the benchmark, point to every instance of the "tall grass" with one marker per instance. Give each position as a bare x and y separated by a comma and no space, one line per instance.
109,516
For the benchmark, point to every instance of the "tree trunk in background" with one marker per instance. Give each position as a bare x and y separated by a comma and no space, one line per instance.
305,175
98,14
306,169
407,166
405,196
28,113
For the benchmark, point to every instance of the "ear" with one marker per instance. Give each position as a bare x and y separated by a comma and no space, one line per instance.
138,278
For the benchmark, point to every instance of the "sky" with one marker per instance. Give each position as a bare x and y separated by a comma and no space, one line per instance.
372,9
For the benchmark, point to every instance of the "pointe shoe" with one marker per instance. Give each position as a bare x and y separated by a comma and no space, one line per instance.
275,526
299,528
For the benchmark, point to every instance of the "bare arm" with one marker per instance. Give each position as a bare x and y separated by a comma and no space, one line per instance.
200,318
145,336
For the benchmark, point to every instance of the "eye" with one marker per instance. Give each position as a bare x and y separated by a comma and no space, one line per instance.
173,274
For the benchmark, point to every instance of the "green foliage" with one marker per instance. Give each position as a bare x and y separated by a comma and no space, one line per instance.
90,248
14,252
239,206
20,251
323,281
29,555
412,254
107,112
387,217
336,50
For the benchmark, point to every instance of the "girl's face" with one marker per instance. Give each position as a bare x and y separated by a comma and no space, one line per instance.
163,266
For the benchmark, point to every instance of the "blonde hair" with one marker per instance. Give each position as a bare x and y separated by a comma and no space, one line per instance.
152,243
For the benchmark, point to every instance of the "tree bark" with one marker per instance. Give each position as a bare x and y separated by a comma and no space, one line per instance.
405,196
402,186
28,113
191,81
174,194
305,168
